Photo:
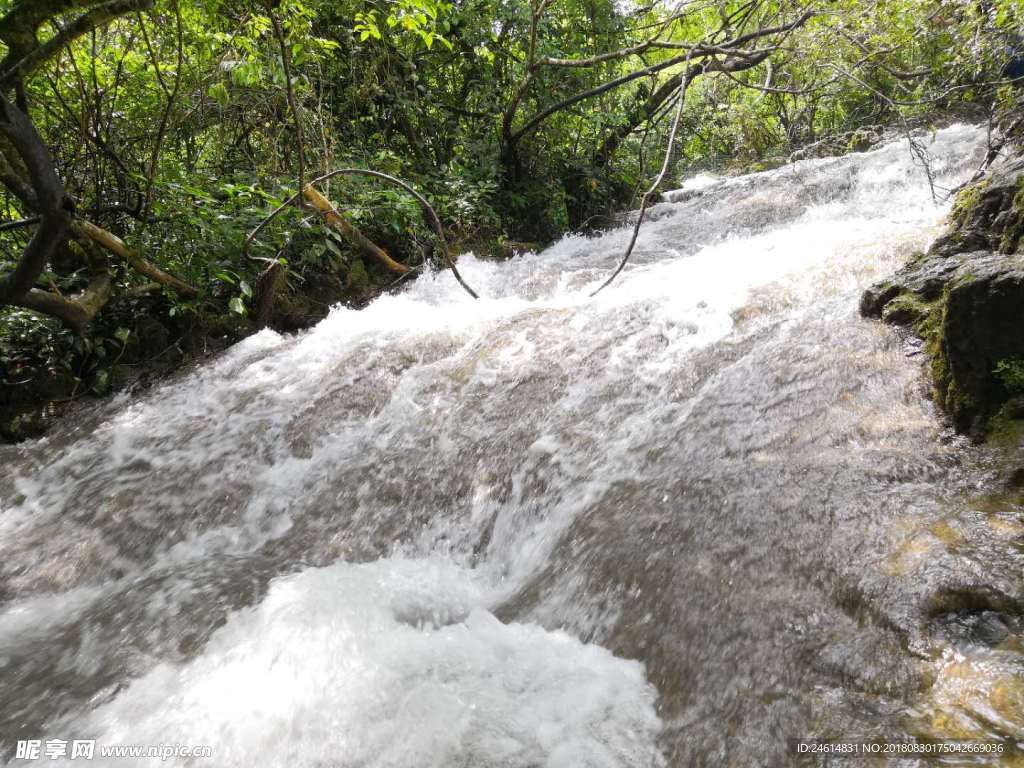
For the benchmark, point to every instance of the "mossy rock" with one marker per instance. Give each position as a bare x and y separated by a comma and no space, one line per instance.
965,299
874,300
982,326
967,202
863,140
1011,223
969,310
906,309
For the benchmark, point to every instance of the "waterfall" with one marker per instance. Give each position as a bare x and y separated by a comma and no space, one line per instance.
672,525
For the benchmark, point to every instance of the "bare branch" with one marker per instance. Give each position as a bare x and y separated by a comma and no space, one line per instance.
681,100
289,90
75,312
336,221
737,60
172,97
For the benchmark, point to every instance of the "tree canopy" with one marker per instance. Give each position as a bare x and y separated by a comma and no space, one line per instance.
143,141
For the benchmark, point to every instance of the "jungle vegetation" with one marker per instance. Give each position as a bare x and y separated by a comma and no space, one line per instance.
144,143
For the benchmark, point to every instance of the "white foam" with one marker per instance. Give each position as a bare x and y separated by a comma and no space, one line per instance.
697,183
394,663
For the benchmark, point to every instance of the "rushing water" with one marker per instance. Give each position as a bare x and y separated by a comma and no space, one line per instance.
677,524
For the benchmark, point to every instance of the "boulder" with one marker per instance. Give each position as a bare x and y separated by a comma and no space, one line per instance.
965,298
982,325
860,140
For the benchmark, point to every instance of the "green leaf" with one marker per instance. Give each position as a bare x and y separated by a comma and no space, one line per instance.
237,306
101,383
219,93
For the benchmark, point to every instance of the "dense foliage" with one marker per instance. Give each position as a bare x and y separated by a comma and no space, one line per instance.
179,126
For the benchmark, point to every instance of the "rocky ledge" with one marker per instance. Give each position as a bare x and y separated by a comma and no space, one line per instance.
965,298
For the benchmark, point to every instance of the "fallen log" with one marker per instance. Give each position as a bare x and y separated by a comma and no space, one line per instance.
335,220
115,245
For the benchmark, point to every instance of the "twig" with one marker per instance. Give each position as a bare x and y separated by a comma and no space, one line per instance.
292,103
172,96
19,224
684,84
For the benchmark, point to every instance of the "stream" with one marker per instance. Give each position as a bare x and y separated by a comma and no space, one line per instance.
678,524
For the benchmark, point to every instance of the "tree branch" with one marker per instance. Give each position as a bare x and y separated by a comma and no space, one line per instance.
75,312
48,193
172,97
115,245
683,85
730,48
18,30
290,92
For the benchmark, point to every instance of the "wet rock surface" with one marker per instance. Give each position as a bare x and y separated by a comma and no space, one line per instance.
859,140
965,298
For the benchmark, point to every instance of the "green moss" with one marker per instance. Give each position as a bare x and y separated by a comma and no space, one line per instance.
966,278
906,309
861,141
959,404
929,328
1018,199
918,259
966,201
1008,241
1013,230
928,324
